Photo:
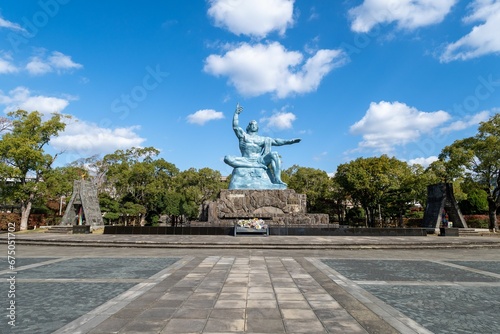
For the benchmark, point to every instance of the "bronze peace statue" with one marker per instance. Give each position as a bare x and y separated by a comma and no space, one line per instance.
258,167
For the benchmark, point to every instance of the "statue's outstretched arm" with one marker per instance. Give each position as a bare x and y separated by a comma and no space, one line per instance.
280,142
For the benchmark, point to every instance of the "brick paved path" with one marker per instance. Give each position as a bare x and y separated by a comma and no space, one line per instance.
101,290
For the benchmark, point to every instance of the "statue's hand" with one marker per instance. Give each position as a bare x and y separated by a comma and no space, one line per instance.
296,140
239,109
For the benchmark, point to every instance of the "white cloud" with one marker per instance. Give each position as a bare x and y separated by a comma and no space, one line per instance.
320,156
21,98
38,67
408,14
6,65
424,162
255,18
202,116
61,61
87,138
389,124
10,25
57,61
483,39
280,120
468,121
269,68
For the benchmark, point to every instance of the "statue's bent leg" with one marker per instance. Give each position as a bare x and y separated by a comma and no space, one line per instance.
236,162
274,160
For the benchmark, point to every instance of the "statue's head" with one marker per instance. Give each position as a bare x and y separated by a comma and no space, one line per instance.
252,126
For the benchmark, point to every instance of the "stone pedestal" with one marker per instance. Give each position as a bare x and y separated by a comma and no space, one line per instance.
276,207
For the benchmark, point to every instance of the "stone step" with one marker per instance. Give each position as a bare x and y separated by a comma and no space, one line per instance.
60,229
474,232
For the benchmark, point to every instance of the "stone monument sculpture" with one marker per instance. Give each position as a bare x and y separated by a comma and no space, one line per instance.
441,202
258,167
256,191
83,207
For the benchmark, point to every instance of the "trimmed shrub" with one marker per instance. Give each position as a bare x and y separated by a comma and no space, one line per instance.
477,221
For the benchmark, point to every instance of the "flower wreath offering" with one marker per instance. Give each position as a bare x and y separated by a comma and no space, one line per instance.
255,223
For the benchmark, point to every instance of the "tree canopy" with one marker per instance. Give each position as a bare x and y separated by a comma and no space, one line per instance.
478,159
24,160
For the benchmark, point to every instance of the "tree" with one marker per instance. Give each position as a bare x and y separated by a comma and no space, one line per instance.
24,159
478,159
197,187
376,183
5,124
133,176
476,201
314,183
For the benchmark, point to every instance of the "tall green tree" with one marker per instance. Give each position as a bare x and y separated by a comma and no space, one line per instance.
23,157
134,176
196,188
478,159
373,182
315,183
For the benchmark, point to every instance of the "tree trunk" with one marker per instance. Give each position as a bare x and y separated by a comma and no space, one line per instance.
367,216
25,213
371,218
492,214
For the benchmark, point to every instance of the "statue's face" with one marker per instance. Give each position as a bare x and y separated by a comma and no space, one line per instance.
252,126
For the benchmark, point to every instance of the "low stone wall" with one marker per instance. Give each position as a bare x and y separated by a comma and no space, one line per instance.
319,230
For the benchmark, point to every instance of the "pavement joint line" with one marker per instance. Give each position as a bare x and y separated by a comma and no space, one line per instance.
293,267
80,280
392,316
428,283
474,270
38,264
93,318
257,243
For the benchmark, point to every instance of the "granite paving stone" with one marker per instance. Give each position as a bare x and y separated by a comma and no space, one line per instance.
45,307
490,266
184,326
257,291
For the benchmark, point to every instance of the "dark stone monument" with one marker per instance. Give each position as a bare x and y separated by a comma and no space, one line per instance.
83,207
441,205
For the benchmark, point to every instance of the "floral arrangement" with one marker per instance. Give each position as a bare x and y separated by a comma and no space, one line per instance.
255,223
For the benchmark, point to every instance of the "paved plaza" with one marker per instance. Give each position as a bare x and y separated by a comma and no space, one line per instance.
105,284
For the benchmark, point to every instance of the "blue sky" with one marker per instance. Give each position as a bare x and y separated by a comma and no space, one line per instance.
351,78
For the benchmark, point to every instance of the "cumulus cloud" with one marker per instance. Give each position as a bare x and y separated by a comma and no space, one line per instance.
86,139
202,116
6,65
57,61
424,162
389,124
10,25
37,66
483,39
269,68
255,18
407,14
468,121
279,121
21,98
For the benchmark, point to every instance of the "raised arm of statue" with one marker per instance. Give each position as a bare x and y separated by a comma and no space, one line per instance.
236,127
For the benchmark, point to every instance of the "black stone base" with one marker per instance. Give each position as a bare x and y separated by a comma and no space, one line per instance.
278,230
